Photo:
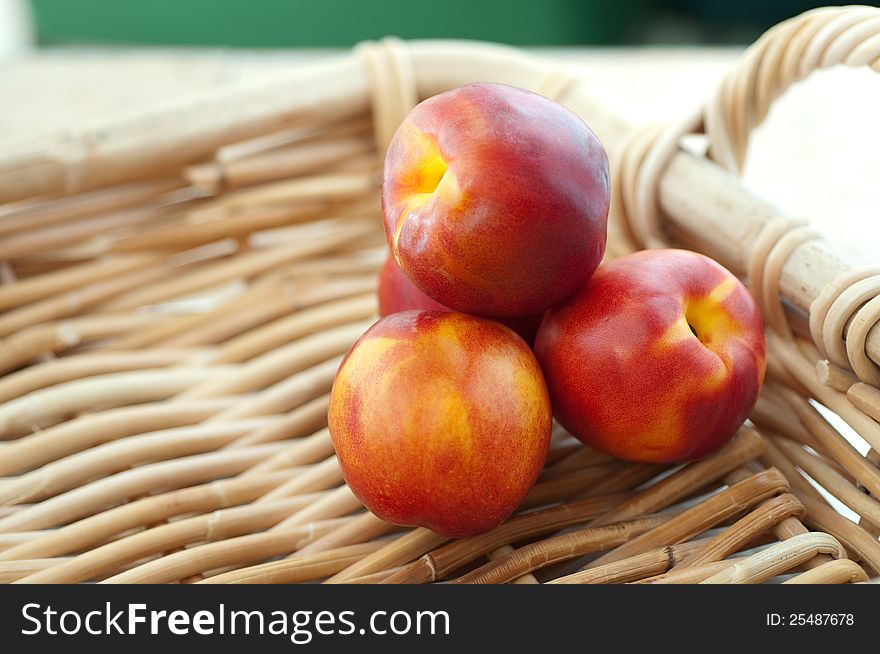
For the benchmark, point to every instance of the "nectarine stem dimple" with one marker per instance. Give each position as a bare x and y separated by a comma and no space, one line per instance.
704,318
435,171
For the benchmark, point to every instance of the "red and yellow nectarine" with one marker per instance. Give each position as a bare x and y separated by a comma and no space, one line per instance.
495,200
441,420
397,293
659,358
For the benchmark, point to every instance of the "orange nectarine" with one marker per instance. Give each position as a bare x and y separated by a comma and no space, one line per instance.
440,419
495,200
658,358
397,293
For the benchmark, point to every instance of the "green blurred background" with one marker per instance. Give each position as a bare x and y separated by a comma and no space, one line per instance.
326,23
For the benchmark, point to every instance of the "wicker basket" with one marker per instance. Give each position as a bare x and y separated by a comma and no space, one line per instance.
179,287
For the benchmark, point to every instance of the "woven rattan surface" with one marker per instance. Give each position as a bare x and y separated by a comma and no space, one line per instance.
180,284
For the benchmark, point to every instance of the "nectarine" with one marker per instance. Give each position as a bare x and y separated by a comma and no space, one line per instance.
659,358
440,419
495,200
397,293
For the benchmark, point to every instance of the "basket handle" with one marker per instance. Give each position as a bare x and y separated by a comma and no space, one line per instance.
392,84
849,306
784,55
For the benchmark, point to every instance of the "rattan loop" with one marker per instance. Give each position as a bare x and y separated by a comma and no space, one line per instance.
820,306
839,314
625,176
771,300
767,240
393,91
642,159
856,335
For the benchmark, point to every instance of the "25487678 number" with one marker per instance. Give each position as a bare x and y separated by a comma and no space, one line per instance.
821,619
